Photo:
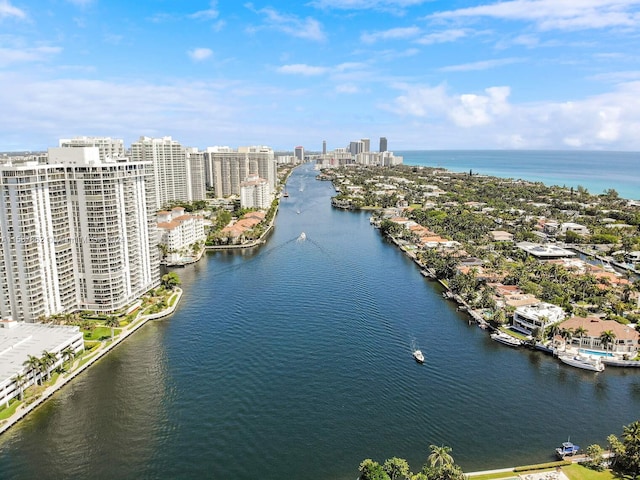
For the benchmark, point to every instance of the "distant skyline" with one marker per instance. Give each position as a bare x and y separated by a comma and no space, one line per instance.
462,74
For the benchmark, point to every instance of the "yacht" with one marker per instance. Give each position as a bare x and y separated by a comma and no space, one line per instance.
417,354
506,339
585,362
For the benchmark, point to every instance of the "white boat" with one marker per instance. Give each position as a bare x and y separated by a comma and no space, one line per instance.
585,362
506,339
417,354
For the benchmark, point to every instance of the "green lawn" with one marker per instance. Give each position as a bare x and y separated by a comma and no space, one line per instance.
578,472
99,333
574,472
7,412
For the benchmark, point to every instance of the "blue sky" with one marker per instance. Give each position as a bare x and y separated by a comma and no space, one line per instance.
458,74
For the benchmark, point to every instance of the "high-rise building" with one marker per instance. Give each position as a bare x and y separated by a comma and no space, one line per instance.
110,148
366,144
226,168
298,152
77,233
255,193
169,160
196,184
324,147
356,147
383,144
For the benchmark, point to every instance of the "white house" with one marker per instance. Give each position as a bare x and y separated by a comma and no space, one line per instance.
539,316
178,233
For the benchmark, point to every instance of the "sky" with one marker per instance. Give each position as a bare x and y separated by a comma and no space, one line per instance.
456,74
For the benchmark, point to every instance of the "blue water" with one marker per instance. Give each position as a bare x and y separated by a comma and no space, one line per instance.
596,171
595,352
294,361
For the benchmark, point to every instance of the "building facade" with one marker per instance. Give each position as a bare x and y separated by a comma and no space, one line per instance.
169,162
77,233
255,193
179,232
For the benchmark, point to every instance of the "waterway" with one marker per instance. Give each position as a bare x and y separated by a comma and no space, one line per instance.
293,361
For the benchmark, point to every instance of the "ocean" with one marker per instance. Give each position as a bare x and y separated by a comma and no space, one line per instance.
595,171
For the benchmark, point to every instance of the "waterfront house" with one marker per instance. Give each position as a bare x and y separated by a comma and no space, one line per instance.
538,316
178,233
626,338
501,236
573,227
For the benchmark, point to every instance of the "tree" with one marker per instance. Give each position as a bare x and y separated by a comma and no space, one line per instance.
46,362
170,280
596,457
607,337
627,451
68,354
33,365
396,468
370,470
113,322
440,456
20,380
580,332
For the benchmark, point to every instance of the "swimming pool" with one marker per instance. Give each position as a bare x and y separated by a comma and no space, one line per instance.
595,352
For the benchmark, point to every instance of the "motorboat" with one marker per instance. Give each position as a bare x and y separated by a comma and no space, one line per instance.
506,339
567,449
417,354
586,362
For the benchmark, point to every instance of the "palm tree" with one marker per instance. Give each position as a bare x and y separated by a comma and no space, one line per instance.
440,456
607,337
20,381
68,354
46,361
567,334
112,321
33,364
580,332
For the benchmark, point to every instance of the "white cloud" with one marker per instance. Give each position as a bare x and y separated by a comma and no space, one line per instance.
199,54
347,88
208,14
302,69
7,10
442,37
556,14
80,3
607,121
10,56
391,34
393,5
481,65
308,28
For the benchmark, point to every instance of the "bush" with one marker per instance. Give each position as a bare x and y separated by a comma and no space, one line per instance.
543,466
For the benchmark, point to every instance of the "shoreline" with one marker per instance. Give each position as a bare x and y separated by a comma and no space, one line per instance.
65,378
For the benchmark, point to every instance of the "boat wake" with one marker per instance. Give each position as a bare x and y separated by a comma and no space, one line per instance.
302,237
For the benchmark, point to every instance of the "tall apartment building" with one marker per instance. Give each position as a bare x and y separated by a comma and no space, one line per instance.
76,233
324,147
169,160
109,148
255,193
298,152
226,168
196,176
383,144
366,144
